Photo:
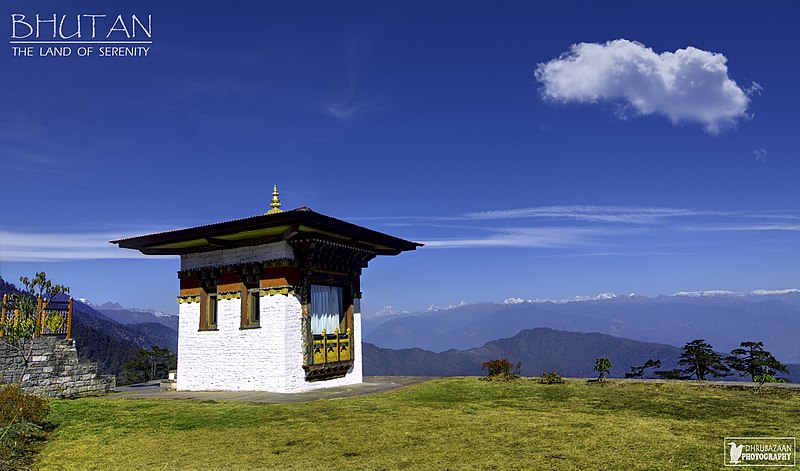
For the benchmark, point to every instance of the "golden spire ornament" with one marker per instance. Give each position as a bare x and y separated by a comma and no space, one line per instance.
276,204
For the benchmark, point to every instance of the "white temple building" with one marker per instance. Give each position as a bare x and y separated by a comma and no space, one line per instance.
270,302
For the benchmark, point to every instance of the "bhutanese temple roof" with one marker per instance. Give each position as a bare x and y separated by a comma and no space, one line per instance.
274,226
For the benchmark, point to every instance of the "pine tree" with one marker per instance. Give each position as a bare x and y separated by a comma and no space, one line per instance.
701,360
752,360
637,372
148,365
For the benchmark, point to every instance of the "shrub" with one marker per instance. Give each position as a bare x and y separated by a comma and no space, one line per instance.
765,378
12,435
22,417
551,378
20,407
501,369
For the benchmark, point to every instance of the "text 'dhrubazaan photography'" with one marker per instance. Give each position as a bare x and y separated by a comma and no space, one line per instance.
81,35
760,451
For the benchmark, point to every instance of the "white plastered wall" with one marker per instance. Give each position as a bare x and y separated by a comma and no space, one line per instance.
219,258
268,358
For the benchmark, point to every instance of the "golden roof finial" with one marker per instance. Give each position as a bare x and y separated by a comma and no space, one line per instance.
276,204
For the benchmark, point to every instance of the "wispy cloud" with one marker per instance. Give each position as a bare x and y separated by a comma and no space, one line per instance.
760,155
584,226
615,214
351,107
620,254
584,230
777,215
688,85
53,247
743,227
354,101
29,144
527,237
589,213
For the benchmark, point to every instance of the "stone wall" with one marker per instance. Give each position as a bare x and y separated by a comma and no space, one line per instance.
53,370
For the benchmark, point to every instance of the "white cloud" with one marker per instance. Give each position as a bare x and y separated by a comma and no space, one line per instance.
591,213
688,85
355,100
525,237
350,107
609,216
777,226
591,231
613,214
760,155
50,247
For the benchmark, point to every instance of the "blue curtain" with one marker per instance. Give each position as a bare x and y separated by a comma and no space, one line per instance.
326,308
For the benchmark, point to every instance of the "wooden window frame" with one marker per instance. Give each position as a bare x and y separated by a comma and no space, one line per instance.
346,313
251,318
330,356
208,299
212,305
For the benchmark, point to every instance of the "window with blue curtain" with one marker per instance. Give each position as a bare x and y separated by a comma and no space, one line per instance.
326,308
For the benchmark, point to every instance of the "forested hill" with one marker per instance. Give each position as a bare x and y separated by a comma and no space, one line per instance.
539,350
107,342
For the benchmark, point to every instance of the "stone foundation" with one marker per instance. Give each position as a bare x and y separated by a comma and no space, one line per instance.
53,370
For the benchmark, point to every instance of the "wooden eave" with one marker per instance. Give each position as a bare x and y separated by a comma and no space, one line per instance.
263,229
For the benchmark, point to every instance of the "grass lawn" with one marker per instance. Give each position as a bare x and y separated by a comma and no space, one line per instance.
454,423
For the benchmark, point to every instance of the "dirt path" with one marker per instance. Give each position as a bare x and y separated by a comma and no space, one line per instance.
371,385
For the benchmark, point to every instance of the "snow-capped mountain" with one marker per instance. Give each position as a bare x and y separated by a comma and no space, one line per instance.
758,292
599,297
112,306
134,315
435,308
388,311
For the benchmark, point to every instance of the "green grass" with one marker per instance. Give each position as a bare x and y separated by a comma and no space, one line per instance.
455,423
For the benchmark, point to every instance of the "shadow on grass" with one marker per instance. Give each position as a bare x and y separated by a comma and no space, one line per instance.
20,453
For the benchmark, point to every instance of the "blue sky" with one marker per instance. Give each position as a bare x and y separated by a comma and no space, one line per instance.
539,150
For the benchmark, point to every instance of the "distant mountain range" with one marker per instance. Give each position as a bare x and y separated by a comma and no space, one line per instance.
571,354
690,294
724,319
130,316
566,336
